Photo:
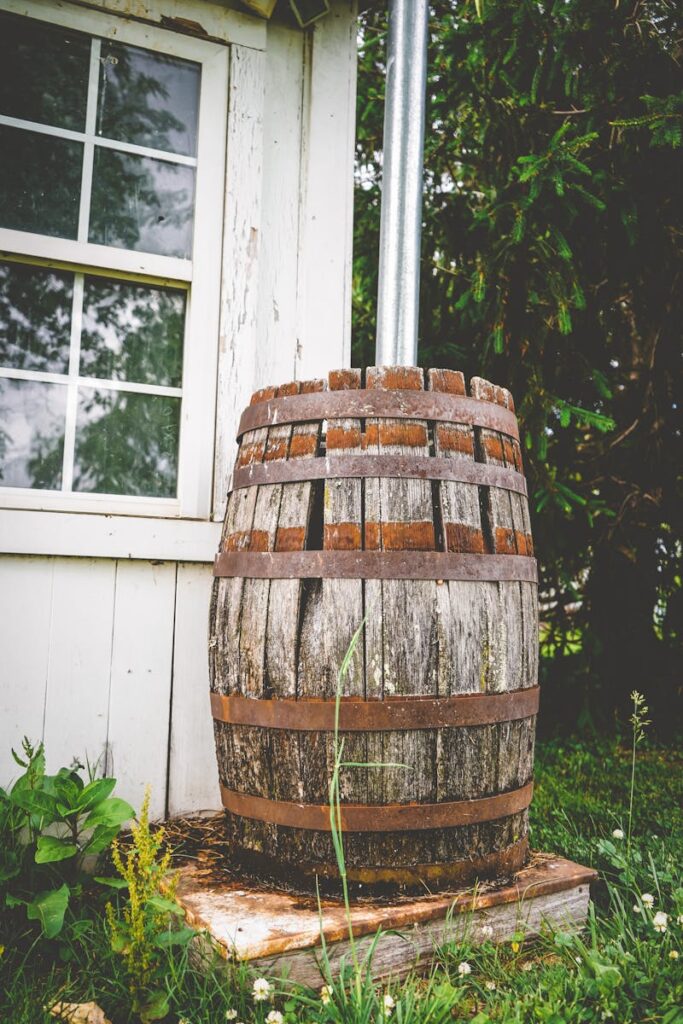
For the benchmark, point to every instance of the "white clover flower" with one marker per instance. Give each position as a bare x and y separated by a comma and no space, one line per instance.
388,1004
261,990
491,986
618,833
464,968
673,954
325,995
487,931
231,1014
275,1017
659,921
636,908
679,919
648,899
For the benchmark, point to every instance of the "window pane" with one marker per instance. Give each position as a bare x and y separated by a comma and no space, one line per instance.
43,72
126,443
142,204
148,99
40,183
35,318
132,332
31,433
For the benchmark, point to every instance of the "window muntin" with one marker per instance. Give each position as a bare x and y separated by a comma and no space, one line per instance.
107,157
100,379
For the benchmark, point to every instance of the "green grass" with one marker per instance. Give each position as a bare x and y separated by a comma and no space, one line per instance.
620,971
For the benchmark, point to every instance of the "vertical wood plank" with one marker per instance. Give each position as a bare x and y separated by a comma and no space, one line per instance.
326,190
76,716
140,696
25,611
239,310
193,779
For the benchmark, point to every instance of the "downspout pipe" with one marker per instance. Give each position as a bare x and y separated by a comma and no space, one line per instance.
398,294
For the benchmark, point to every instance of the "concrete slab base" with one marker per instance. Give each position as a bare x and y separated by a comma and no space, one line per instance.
279,933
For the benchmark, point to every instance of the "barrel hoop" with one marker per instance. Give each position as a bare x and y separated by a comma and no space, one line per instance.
391,714
370,404
375,565
416,467
378,817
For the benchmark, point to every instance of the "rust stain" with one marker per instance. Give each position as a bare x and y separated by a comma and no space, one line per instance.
509,451
395,378
452,381
308,386
464,538
454,439
276,449
291,388
344,380
290,538
400,536
247,540
251,453
342,537
410,435
493,446
263,395
504,541
303,444
343,437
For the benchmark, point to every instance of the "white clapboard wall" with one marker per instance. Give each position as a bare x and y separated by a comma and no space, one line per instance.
103,629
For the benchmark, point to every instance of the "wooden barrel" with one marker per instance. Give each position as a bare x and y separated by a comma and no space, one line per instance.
398,502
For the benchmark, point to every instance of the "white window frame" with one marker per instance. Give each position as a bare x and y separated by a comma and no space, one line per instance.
200,276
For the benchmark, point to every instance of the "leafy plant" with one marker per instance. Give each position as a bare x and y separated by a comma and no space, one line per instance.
142,929
49,824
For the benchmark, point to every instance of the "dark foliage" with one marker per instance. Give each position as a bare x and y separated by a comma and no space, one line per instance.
551,263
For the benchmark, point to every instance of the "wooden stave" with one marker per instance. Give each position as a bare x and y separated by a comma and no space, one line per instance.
365,854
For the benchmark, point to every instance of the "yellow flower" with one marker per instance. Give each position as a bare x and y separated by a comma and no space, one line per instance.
515,947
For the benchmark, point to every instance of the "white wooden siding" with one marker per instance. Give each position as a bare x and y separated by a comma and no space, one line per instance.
106,661
105,656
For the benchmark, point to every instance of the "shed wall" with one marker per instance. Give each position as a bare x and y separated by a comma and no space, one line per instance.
103,629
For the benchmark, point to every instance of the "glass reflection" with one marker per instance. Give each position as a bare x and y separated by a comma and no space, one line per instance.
132,332
43,72
31,433
149,99
126,443
40,185
35,318
142,204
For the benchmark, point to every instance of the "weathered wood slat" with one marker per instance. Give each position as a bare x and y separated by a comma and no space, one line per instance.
423,637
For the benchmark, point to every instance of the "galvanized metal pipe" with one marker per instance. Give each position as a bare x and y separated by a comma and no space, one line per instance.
398,294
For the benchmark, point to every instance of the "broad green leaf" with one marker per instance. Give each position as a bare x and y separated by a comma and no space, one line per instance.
93,793
112,811
156,1007
101,838
113,883
51,849
49,908
169,906
178,937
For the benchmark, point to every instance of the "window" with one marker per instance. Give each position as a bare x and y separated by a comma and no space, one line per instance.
111,193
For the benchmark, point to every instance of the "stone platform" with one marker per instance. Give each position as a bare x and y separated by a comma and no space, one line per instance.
279,933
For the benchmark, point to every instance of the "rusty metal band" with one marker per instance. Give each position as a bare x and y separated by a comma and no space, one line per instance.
392,713
378,817
416,405
375,565
416,467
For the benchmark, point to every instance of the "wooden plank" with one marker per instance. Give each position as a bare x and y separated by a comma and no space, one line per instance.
140,695
284,111
25,614
239,312
193,779
404,520
285,611
278,933
77,707
326,194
